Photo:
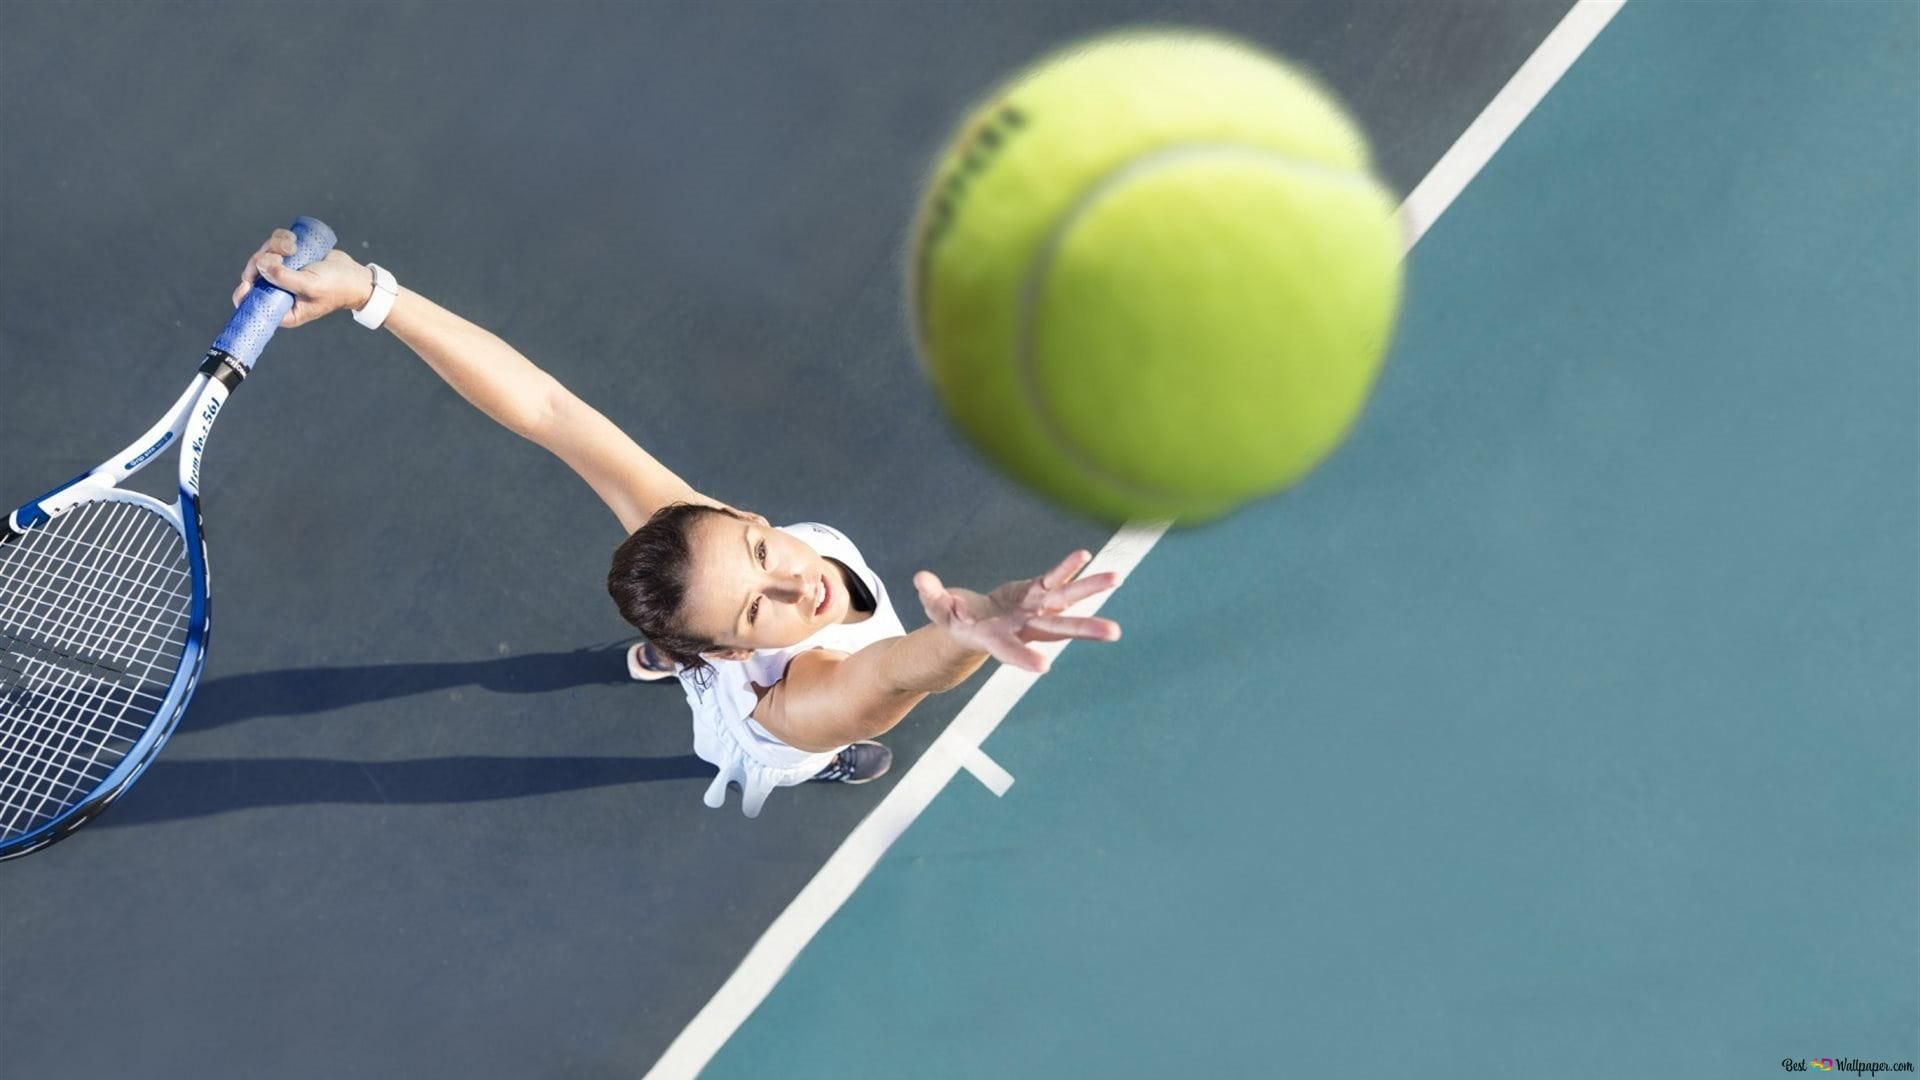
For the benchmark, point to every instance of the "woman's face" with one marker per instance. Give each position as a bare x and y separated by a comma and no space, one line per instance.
755,587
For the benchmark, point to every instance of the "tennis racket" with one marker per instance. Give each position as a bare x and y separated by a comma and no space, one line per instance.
104,602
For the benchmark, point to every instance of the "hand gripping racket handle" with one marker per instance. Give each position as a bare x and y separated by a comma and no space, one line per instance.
266,304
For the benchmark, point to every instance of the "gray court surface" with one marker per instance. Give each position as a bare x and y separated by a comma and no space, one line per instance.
417,824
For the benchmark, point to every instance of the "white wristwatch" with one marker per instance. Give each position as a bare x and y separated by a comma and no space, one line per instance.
385,292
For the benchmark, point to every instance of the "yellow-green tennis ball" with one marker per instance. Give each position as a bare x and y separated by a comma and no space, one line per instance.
1154,276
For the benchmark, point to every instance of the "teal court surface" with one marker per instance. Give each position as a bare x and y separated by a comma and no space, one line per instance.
1566,724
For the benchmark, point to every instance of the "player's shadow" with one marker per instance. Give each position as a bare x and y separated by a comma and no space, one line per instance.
173,790
231,699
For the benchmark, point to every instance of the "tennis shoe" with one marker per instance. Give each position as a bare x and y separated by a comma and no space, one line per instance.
645,664
857,764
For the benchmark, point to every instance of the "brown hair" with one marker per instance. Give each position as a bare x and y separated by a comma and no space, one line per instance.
650,577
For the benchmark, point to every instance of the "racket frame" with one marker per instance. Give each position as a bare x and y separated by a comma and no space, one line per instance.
186,423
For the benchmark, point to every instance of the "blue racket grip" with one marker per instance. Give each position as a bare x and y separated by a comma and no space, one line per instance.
260,312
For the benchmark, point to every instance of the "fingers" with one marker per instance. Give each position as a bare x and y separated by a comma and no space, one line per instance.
1063,627
273,266
1016,653
934,597
248,273
267,267
1068,567
279,245
1063,598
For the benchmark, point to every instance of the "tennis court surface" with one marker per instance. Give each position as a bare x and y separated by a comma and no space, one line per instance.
1563,723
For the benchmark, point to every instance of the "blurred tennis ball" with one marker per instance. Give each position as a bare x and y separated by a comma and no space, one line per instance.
1154,275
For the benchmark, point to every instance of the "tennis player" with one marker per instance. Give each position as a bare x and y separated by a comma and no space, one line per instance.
783,638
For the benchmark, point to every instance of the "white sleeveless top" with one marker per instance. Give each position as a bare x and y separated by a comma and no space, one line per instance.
724,731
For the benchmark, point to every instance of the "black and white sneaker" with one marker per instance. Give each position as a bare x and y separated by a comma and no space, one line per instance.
645,664
857,764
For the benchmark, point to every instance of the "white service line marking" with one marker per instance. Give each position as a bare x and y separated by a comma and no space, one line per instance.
956,747
1502,116
988,772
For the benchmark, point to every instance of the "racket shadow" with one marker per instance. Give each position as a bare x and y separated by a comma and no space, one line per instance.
178,790
231,699
174,790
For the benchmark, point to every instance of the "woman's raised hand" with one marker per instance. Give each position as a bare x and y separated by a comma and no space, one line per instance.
320,288
1007,620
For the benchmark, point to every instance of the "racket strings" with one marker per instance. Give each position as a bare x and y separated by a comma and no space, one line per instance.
94,608
102,596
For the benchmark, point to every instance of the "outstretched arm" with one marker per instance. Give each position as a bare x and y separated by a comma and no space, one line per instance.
505,385
828,700
492,375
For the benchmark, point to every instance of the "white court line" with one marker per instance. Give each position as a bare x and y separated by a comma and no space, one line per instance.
1502,116
988,772
856,857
